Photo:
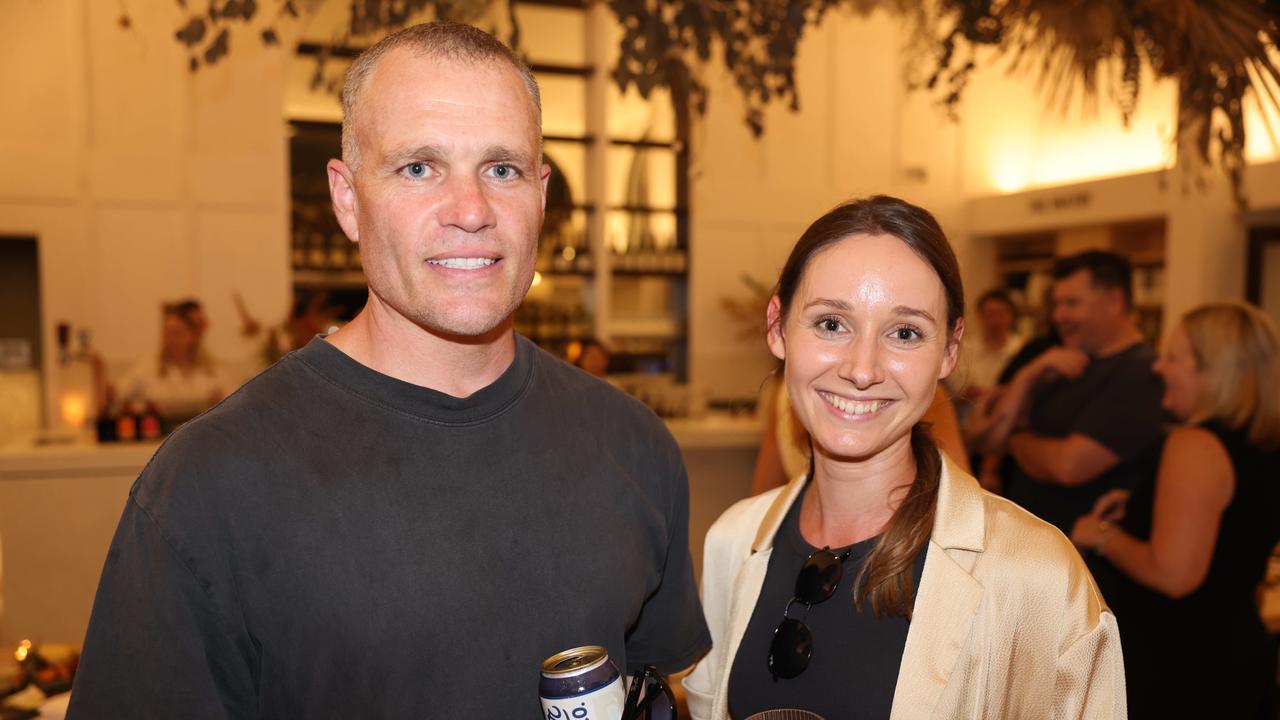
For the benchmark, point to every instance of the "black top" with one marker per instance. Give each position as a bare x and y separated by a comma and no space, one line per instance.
332,542
1210,645
1115,402
854,668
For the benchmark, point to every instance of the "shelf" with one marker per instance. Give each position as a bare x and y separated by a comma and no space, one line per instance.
312,278
658,328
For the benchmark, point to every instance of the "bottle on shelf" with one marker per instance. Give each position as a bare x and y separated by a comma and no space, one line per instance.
338,251
76,382
317,250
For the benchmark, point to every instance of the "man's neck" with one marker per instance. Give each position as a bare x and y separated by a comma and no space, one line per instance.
387,342
1124,338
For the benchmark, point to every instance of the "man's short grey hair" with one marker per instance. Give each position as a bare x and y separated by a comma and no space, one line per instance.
443,40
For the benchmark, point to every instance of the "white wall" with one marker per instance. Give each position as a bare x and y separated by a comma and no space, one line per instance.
143,182
857,133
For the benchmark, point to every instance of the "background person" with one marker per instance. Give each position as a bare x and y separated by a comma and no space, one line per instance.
902,588
1084,417
184,380
1189,553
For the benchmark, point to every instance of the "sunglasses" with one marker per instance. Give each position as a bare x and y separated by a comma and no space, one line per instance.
792,644
649,698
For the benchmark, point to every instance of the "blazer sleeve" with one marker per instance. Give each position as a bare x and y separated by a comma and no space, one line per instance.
1090,675
727,547
701,683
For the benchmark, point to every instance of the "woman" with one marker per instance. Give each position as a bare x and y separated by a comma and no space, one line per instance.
1193,546
184,380
902,588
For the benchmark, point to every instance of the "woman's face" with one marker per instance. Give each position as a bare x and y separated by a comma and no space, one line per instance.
864,343
1183,381
178,338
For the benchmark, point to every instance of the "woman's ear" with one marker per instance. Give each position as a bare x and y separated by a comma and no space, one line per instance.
952,354
773,324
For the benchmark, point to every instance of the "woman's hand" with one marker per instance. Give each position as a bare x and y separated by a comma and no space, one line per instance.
1090,531
1111,505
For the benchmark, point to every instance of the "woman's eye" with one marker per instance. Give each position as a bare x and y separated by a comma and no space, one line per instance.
416,170
906,334
829,325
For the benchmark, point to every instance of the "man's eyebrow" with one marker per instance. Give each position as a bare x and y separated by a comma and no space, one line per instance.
502,153
403,155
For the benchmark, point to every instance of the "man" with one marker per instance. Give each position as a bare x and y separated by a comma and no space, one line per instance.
1083,417
404,519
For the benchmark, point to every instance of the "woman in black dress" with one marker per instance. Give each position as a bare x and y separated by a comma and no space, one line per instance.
1190,548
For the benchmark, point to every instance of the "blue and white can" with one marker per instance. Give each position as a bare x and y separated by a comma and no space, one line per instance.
581,684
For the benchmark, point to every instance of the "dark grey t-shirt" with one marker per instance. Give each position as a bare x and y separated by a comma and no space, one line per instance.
330,542
1115,402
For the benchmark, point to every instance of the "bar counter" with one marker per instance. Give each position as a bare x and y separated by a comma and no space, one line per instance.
59,505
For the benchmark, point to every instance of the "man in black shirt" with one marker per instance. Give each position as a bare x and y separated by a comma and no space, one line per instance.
1083,417
403,519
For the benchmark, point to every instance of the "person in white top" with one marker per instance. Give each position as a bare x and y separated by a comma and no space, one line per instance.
184,380
984,356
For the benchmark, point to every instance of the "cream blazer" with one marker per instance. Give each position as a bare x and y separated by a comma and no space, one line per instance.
1008,622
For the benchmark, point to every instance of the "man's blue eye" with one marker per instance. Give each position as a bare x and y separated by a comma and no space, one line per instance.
416,170
502,172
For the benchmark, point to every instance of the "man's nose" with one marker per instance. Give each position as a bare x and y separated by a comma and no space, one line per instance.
862,362
467,205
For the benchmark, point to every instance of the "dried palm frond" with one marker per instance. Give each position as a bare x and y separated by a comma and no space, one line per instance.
1216,50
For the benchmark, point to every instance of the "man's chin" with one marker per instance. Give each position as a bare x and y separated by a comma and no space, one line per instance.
470,328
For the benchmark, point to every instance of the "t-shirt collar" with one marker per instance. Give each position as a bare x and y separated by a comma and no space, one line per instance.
431,405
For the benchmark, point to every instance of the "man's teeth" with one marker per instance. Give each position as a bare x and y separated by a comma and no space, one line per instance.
470,263
854,407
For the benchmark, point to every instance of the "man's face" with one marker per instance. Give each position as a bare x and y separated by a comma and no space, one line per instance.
996,317
1083,314
448,198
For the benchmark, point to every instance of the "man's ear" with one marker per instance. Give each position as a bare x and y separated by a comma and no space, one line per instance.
546,176
773,324
342,190
951,355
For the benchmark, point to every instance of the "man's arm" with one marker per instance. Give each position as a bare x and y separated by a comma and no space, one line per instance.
1012,407
158,644
1069,461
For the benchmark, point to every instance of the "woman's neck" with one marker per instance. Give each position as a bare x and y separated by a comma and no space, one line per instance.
849,501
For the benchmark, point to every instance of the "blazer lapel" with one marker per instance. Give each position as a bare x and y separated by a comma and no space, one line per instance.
947,601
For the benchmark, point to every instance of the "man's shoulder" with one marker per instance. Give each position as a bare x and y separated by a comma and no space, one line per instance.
566,385
245,425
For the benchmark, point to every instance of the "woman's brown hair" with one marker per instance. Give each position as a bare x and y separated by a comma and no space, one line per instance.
887,577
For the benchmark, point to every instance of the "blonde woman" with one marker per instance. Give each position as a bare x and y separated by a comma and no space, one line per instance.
1193,545
885,582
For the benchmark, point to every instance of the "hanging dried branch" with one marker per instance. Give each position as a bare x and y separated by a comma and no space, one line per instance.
1216,50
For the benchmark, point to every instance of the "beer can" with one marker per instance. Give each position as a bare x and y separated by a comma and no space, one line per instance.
581,684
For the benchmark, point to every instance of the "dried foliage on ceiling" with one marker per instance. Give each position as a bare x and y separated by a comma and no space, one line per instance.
1216,50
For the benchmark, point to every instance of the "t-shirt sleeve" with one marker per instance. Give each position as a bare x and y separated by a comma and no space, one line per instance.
158,644
1125,415
671,633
